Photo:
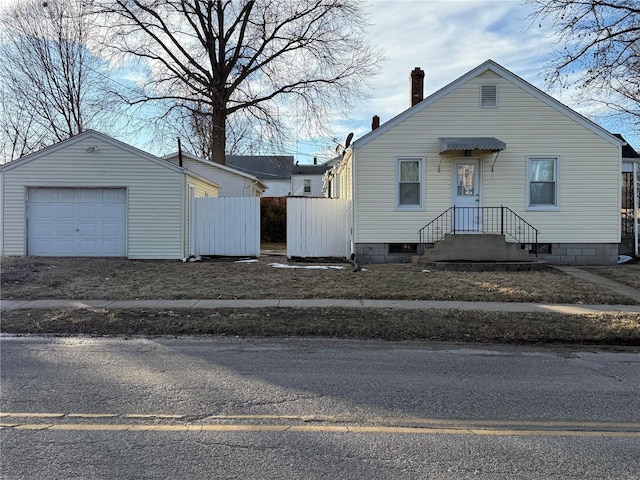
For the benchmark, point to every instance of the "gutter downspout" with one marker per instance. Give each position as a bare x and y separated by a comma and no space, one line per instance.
354,196
635,206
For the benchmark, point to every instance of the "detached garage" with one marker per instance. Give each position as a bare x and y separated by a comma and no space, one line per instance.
95,196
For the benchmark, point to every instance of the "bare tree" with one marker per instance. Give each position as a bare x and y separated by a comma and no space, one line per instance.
52,85
266,59
245,134
599,48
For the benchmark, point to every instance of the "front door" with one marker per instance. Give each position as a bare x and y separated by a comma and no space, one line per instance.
466,195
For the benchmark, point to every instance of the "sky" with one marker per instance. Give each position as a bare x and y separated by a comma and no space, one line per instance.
448,38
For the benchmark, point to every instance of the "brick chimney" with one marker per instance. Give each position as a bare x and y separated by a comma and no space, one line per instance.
375,122
417,85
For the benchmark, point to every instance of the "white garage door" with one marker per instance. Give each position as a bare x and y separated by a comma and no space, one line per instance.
76,222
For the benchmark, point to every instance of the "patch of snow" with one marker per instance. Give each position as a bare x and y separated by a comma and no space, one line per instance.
247,261
427,271
624,258
310,267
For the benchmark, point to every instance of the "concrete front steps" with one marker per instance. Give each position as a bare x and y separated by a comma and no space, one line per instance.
478,253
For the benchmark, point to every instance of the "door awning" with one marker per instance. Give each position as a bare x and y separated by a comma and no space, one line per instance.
451,144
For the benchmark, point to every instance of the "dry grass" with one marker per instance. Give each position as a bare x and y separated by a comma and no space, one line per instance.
102,278
33,278
440,325
628,274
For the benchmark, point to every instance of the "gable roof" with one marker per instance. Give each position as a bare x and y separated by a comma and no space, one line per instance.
504,73
307,169
265,167
225,168
98,136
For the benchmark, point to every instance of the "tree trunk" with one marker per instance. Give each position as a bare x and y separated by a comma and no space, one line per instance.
217,137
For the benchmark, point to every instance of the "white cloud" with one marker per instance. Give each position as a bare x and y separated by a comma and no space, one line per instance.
447,39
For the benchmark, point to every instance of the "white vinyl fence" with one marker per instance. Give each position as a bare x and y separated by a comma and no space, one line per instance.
227,226
318,227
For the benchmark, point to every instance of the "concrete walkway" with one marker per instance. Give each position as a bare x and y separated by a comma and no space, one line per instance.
318,303
603,282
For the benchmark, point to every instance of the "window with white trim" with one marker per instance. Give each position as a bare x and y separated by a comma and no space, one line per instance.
410,187
307,185
488,96
542,182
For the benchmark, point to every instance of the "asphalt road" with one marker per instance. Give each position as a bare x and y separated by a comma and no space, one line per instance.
306,408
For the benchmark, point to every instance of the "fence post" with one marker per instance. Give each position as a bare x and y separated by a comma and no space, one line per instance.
502,220
453,220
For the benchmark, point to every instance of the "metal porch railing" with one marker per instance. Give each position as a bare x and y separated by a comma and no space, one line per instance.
491,220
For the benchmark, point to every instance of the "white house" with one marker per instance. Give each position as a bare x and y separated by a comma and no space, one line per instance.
92,195
630,199
232,182
307,180
487,140
273,170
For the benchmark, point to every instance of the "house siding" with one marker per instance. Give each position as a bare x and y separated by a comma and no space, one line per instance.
589,166
297,185
155,194
277,188
201,189
230,184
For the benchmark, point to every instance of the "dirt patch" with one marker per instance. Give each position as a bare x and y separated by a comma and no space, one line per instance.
32,278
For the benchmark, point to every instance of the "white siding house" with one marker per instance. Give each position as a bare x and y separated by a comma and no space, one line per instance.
273,170
92,195
307,180
232,182
488,139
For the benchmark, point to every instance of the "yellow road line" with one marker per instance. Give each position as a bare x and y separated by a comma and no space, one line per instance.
337,419
431,421
395,425
32,415
91,415
321,428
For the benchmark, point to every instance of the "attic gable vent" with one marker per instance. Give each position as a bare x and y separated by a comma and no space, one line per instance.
488,96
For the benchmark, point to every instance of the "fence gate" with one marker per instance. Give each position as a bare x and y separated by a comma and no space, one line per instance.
318,227
227,226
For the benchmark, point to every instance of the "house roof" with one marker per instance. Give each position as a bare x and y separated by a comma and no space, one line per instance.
99,136
226,168
310,169
265,167
504,73
627,150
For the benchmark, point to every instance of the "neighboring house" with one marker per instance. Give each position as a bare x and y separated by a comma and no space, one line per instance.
273,170
331,178
630,199
92,195
232,182
307,180
489,139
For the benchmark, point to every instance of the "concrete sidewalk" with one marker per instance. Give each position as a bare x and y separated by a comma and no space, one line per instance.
7,305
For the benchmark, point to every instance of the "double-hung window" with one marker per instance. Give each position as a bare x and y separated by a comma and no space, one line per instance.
542,182
410,186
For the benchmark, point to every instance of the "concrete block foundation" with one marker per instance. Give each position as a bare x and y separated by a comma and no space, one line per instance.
561,254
